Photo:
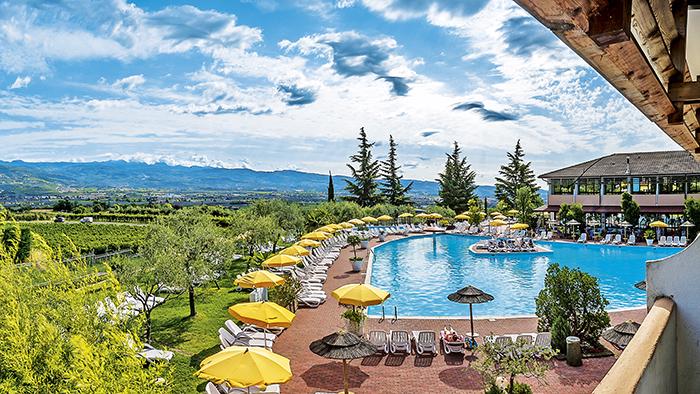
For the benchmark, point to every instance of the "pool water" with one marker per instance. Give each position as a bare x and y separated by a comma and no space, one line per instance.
421,271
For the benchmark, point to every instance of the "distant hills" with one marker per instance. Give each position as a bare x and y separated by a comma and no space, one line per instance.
19,177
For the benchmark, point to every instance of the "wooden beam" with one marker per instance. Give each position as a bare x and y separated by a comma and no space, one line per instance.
684,92
679,10
610,24
665,19
647,34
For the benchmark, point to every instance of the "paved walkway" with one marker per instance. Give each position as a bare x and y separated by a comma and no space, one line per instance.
411,374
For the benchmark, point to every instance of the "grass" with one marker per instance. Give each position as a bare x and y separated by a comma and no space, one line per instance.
192,339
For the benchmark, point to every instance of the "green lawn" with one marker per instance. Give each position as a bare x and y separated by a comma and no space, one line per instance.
192,339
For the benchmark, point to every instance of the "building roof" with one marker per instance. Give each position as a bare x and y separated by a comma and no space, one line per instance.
641,163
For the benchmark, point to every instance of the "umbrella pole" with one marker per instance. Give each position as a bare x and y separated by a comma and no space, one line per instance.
346,385
471,320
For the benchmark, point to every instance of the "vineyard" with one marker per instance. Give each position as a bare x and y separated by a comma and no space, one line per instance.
98,238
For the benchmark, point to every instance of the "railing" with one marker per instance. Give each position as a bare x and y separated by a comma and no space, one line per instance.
648,363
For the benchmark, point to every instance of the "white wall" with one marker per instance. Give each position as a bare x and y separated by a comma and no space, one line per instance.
659,375
678,277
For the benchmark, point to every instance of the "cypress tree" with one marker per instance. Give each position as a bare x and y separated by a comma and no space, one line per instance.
331,189
392,189
363,190
514,175
457,185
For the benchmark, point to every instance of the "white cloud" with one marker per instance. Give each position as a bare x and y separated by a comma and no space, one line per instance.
130,82
21,82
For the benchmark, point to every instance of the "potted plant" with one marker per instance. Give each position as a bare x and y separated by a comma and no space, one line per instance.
382,236
354,319
649,235
354,241
364,242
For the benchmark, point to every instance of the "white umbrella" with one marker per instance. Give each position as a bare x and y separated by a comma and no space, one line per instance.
594,223
624,225
572,222
687,224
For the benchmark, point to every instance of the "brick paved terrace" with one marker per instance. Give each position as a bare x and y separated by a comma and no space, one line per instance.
415,374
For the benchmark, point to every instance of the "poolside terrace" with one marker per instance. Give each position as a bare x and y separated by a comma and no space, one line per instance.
394,374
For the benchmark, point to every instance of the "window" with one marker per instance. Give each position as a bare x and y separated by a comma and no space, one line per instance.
644,185
672,185
588,186
561,186
615,185
694,184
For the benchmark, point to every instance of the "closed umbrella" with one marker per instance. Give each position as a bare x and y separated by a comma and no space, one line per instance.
295,250
470,295
621,334
281,260
240,366
360,294
343,346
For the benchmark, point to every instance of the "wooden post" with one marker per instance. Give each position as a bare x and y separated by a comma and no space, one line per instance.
471,320
346,384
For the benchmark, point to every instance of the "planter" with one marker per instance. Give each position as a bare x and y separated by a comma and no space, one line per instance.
650,242
356,264
382,237
354,327
364,244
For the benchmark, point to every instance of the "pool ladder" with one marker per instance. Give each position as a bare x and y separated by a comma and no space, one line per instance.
396,315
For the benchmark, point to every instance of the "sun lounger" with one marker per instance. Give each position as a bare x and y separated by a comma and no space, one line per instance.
249,332
228,339
152,354
662,241
452,342
543,339
526,339
503,340
617,240
271,389
210,388
380,340
632,240
607,240
425,342
676,241
582,239
683,241
400,342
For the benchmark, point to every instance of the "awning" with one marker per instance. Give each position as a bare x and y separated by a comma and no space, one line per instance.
613,209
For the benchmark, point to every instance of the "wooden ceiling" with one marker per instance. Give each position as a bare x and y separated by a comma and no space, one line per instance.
639,46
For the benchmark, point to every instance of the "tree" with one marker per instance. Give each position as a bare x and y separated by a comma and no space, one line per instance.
193,246
363,190
571,212
11,239
53,341
514,175
456,182
64,206
331,189
392,189
572,297
288,218
692,213
523,203
511,360
630,209
474,212
252,232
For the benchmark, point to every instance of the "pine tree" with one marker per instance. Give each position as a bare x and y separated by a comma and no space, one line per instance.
456,182
392,189
331,189
364,189
514,175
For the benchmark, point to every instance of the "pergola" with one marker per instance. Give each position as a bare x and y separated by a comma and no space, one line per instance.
639,46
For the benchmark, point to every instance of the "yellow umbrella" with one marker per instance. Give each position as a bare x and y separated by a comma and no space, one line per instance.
369,219
316,236
659,224
309,243
496,213
385,218
423,215
281,260
264,314
260,278
520,226
497,222
335,226
406,215
346,225
356,222
326,229
435,216
462,216
240,366
295,250
360,294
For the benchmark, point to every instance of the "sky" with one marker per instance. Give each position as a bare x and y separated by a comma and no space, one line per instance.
275,84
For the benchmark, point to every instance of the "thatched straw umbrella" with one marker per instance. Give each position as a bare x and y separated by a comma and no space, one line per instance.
344,346
621,334
470,295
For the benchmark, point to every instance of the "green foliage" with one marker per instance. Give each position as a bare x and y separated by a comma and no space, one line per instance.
64,206
251,232
286,219
456,181
692,213
354,241
560,330
96,237
354,315
392,189
649,234
518,388
573,296
286,293
514,175
51,339
331,189
12,236
474,213
444,211
363,190
630,209
25,246
571,211
511,360
524,203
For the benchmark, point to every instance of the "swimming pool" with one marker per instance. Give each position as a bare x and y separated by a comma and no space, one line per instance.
421,271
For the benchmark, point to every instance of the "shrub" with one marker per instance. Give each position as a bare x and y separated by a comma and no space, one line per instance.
560,330
574,297
649,234
692,212
286,293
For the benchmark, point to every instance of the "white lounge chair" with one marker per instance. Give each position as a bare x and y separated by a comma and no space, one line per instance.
425,342
152,354
210,388
380,340
228,339
607,240
249,332
632,240
683,241
662,241
582,239
617,240
676,241
399,342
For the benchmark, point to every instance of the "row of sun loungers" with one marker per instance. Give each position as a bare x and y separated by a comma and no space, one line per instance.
509,245
231,334
673,241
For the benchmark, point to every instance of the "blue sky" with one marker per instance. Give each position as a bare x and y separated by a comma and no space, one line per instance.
275,84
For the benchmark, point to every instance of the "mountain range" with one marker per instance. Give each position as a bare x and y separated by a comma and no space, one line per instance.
19,177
